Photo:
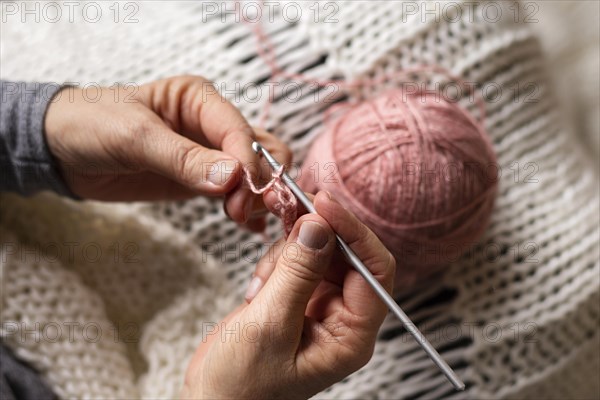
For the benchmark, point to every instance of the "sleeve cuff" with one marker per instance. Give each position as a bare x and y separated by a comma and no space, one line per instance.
27,164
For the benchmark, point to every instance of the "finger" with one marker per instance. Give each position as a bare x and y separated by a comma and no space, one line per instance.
264,171
271,201
225,128
256,224
279,150
266,265
264,269
260,173
192,106
303,262
205,171
359,298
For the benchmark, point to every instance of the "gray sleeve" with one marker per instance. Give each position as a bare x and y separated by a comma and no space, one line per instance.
19,380
26,164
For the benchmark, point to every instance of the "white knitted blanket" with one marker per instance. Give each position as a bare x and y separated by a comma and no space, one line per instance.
109,301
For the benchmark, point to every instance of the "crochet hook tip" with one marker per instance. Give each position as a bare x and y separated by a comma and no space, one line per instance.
256,147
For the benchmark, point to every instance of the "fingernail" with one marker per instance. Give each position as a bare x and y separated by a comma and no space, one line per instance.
222,172
332,199
253,288
312,235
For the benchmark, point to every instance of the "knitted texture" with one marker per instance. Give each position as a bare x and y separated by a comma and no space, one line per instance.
517,316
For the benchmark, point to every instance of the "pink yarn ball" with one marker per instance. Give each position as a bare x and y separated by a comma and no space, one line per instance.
417,169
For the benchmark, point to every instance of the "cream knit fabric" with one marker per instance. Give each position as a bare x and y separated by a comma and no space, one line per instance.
110,301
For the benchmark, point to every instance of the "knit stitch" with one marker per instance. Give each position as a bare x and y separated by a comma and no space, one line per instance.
516,316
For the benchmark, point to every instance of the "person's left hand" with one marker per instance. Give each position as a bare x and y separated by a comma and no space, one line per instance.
166,140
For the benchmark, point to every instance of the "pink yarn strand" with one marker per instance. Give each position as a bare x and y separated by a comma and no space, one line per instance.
371,142
266,50
286,206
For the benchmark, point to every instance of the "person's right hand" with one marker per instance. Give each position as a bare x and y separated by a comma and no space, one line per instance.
310,319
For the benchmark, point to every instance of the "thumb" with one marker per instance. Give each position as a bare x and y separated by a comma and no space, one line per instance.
203,170
302,263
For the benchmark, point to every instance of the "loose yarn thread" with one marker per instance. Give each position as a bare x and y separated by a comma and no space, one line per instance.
286,205
424,224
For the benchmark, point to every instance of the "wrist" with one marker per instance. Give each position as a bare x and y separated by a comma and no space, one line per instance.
56,121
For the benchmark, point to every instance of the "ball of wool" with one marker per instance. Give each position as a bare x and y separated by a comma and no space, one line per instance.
416,168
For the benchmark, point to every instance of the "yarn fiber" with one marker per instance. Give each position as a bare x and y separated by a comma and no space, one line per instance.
518,316
416,168
286,207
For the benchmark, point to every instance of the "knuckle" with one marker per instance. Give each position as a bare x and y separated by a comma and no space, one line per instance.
237,135
179,86
240,127
136,131
383,261
205,86
200,78
390,267
362,235
384,266
302,269
186,160
297,263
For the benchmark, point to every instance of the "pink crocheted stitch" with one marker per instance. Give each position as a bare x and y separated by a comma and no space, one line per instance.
286,205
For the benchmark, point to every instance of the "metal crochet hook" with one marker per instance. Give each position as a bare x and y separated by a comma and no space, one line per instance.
364,271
